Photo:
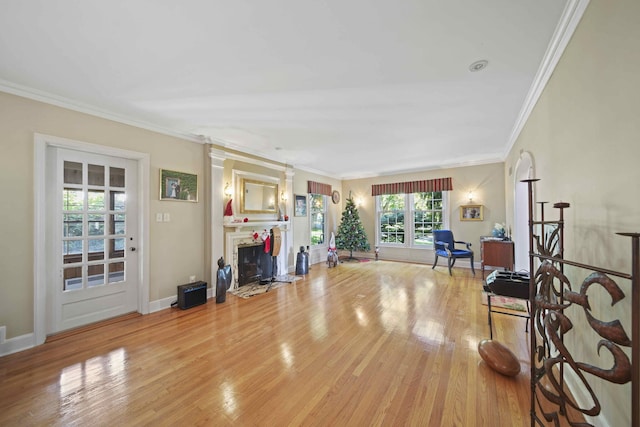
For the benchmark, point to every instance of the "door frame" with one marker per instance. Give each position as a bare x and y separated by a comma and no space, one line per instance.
41,259
524,170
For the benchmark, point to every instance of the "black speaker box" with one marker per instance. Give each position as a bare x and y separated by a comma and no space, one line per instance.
509,284
192,294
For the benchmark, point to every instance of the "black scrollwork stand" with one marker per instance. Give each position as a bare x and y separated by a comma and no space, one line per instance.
551,294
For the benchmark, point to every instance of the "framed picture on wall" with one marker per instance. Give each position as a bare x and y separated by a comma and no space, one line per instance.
471,213
179,186
300,207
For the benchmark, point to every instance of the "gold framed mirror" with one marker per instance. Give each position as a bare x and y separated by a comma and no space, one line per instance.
258,197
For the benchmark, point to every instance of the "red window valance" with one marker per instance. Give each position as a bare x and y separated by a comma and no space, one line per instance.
424,186
318,188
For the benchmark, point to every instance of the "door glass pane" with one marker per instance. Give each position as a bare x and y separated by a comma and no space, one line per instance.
317,202
93,226
116,272
96,175
96,200
118,200
318,210
72,199
116,248
96,225
117,223
96,249
72,278
116,177
96,275
72,173
72,225
71,251
317,228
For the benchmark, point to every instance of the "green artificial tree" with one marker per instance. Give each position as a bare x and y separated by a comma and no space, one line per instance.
351,235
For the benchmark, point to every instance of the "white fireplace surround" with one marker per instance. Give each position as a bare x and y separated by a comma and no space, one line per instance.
241,233
229,235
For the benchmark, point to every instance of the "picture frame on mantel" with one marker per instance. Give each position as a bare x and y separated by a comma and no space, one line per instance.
300,207
178,186
471,213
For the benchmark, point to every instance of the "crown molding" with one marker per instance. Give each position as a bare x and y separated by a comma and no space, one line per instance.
251,160
569,20
69,104
480,162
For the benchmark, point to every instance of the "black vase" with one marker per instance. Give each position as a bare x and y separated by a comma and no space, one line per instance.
302,262
221,290
223,281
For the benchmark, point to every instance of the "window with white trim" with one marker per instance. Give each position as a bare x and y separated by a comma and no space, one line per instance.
408,220
318,216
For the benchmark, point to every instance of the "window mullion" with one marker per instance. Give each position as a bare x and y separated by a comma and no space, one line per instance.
409,225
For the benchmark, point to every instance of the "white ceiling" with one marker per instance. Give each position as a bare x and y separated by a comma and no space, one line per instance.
347,88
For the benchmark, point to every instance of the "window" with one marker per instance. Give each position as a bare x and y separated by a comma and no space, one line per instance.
391,214
425,211
93,224
318,215
427,216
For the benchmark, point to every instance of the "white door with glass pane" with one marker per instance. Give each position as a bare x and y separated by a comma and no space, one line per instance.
96,208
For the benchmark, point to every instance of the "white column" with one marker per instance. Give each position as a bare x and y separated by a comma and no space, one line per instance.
217,210
287,264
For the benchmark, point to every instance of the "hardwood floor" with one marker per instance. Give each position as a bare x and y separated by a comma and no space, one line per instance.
369,343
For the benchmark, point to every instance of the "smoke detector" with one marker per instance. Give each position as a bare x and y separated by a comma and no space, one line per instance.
478,65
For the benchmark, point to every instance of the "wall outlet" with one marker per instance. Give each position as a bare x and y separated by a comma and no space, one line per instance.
158,217
166,217
192,279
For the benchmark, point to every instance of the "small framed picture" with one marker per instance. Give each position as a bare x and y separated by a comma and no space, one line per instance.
180,186
471,213
300,207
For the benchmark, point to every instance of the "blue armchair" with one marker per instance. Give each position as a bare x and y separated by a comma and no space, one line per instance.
445,247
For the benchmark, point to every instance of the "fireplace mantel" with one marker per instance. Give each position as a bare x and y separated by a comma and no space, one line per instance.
255,225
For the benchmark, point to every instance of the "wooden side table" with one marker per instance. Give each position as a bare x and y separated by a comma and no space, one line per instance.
496,253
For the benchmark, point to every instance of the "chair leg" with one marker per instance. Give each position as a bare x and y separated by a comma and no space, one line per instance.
472,269
435,262
489,312
452,261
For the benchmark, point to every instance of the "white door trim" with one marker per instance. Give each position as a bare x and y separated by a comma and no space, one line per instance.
524,170
41,142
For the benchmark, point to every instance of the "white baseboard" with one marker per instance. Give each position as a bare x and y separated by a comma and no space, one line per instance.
582,398
16,344
161,304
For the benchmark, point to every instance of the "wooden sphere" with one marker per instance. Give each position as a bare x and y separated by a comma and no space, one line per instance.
499,358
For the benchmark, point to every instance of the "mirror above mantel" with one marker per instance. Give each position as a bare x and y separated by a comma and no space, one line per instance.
258,197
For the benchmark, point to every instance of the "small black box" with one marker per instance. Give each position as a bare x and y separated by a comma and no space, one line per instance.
192,294
509,284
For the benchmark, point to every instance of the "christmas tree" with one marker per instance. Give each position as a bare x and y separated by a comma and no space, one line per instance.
351,235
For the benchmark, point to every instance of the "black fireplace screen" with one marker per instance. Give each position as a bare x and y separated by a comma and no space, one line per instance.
254,264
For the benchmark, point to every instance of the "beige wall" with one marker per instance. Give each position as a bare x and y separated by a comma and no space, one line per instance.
176,248
486,182
584,135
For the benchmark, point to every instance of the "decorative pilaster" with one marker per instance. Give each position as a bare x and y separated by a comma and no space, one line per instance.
287,251
217,205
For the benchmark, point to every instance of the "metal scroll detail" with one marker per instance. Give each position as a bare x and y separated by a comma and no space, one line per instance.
556,307
553,357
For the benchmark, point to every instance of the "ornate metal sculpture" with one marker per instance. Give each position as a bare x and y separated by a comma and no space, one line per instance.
551,295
